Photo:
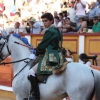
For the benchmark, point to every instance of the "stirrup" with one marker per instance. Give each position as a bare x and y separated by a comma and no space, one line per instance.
29,98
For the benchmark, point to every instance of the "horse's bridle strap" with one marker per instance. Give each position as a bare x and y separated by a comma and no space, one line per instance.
7,39
1,51
8,49
5,43
4,63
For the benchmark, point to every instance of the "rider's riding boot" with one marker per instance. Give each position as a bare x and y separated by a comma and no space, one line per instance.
35,88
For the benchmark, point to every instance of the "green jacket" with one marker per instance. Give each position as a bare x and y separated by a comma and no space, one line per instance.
52,40
96,28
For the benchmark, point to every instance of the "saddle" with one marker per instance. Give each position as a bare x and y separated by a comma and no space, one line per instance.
43,77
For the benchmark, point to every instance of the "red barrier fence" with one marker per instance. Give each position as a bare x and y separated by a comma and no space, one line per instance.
6,73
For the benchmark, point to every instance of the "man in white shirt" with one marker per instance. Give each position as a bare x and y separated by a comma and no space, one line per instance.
18,29
80,7
57,23
72,12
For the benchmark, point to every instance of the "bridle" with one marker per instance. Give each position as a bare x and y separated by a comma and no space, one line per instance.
4,63
5,43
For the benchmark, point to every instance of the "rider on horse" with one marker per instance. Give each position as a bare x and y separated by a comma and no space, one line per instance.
49,50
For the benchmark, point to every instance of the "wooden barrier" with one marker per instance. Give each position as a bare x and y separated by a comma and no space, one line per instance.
6,73
69,42
6,95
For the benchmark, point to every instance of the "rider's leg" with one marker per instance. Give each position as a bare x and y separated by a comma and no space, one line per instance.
34,83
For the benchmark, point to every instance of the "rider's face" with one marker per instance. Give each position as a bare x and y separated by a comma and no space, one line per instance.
46,22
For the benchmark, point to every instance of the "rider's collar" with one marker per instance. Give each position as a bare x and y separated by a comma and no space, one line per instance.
52,25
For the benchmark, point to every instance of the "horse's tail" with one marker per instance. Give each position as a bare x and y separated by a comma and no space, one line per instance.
96,75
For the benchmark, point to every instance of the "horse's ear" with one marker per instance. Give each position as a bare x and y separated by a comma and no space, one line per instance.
4,34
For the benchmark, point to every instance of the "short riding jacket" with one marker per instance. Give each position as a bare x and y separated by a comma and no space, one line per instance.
49,49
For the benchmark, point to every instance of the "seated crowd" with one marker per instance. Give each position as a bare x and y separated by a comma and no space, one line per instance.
75,20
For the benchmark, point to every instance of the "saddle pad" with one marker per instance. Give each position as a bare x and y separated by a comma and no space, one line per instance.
43,77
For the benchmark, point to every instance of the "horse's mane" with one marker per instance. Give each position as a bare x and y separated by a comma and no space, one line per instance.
25,41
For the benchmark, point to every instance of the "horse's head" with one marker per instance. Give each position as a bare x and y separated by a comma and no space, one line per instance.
4,49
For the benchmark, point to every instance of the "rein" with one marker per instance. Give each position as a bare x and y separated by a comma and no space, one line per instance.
1,50
23,45
5,43
20,71
4,63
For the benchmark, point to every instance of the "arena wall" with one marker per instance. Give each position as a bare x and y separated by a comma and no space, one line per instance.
83,43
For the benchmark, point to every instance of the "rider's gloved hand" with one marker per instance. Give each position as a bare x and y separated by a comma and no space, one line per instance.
32,56
39,52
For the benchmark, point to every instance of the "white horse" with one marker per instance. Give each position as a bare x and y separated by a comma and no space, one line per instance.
77,81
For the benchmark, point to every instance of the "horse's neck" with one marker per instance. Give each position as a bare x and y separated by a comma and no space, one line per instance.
18,52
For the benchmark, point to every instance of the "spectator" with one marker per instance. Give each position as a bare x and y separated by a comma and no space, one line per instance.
17,17
63,27
19,3
98,3
69,56
18,29
64,13
67,26
57,23
65,3
60,16
80,9
55,14
12,10
92,12
72,12
83,57
71,27
5,19
40,21
9,25
6,12
96,26
99,17
1,7
35,28
81,25
1,22
24,23
98,7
